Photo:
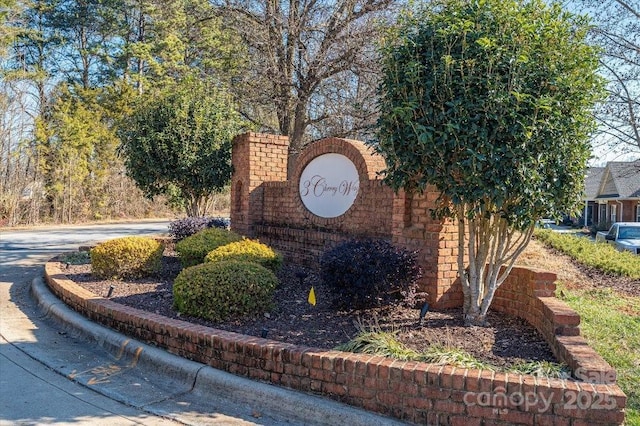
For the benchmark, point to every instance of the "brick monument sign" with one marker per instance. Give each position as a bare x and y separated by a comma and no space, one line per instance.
335,193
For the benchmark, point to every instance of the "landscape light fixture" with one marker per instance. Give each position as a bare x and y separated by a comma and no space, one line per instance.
423,312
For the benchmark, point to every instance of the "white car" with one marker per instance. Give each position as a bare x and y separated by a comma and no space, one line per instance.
625,236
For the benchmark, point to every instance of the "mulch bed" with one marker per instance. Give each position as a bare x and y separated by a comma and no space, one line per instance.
506,342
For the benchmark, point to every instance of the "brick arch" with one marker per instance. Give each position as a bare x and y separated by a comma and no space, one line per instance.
367,162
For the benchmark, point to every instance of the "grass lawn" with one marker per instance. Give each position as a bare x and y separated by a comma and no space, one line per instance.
611,324
610,319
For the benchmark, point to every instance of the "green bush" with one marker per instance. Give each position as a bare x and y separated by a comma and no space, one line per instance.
249,251
221,290
600,256
127,257
192,250
76,258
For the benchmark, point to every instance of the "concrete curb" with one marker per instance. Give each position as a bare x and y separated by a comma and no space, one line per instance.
202,379
120,346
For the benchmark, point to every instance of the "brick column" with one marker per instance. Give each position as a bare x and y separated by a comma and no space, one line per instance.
436,242
256,158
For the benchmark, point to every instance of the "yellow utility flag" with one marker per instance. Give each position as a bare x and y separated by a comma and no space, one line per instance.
312,297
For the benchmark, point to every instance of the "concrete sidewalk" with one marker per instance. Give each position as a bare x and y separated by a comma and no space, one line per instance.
157,387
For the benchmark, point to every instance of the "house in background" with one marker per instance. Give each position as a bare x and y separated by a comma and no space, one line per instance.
612,193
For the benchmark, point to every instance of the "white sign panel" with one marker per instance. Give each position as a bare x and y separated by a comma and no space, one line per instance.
329,185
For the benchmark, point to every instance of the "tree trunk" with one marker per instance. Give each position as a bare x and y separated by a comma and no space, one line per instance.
491,247
196,205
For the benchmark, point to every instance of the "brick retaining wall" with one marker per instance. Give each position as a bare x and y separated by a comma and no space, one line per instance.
416,392
530,295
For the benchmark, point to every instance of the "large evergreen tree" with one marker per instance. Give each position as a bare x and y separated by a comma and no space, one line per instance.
169,41
77,150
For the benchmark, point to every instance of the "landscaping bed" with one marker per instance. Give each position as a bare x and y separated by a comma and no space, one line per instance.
377,383
506,343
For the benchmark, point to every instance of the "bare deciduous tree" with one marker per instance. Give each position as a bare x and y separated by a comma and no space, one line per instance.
313,71
617,30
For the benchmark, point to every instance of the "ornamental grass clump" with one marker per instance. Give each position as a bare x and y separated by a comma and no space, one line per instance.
218,291
247,250
192,250
127,257
376,341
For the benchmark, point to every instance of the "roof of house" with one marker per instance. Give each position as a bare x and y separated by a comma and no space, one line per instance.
592,182
627,178
617,180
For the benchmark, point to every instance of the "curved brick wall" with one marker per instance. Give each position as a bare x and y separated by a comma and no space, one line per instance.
416,392
363,157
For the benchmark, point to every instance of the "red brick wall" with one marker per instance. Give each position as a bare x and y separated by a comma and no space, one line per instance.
416,392
625,211
274,212
436,242
270,153
261,160
628,207
530,295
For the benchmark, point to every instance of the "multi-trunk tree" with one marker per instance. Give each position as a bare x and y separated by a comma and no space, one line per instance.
491,102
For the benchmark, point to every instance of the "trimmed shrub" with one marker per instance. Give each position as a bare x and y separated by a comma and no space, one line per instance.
182,228
370,273
193,249
603,257
247,250
127,257
218,291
